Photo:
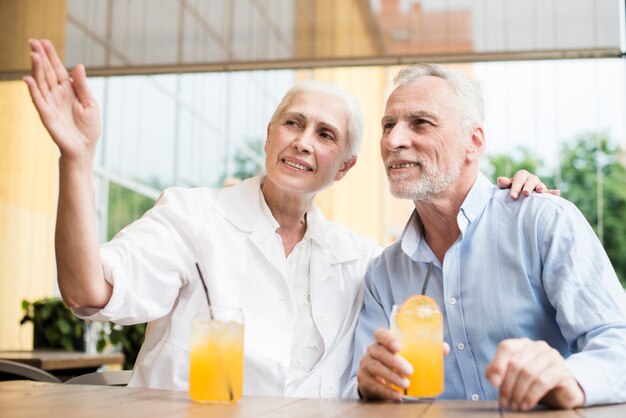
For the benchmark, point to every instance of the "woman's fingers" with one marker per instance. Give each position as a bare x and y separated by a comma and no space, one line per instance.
35,94
39,76
81,88
56,65
47,72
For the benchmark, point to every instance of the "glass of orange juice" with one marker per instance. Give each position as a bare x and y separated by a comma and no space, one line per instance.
418,324
216,363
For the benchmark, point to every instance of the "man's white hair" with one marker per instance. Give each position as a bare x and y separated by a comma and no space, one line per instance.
353,109
470,108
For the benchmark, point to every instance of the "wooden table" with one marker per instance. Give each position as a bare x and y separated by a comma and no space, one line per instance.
35,399
64,364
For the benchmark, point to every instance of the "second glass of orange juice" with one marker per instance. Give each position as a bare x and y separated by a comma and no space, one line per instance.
418,324
216,363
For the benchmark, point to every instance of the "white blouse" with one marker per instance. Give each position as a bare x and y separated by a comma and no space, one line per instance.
307,345
151,265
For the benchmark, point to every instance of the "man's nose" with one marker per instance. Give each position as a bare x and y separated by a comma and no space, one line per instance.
397,137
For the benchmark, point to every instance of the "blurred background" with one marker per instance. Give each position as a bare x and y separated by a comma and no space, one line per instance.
186,88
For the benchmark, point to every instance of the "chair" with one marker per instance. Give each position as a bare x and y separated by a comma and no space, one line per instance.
106,378
13,370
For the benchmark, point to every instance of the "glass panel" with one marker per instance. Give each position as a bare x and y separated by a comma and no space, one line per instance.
161,34
560,119
140,138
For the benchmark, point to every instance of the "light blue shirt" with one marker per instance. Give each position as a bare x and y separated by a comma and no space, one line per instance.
528,268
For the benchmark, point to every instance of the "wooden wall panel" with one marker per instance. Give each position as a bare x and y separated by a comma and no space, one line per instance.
28,171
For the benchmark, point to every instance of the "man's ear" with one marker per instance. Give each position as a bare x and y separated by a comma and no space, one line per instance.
476,147
347,165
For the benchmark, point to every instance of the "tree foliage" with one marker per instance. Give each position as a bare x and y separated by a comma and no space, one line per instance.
588,163
582,162
507,165
125,206
248,160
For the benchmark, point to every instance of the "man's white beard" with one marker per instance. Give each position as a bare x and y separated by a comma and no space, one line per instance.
431,182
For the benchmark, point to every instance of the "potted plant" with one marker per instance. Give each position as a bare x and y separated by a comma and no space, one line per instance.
54,325
129,338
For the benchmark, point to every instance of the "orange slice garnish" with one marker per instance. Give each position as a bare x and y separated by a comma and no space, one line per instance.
415,310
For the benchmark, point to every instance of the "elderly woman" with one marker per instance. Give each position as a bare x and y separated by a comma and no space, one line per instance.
262,244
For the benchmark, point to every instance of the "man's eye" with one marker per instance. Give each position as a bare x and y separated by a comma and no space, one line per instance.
327,135
421,122
387,126
291,122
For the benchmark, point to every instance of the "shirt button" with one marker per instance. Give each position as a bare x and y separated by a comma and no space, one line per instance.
475,397
460,346
452,301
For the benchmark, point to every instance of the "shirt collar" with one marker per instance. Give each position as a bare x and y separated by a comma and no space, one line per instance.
315,225
412,239
413,242
476,200
267,212
314,220
252,211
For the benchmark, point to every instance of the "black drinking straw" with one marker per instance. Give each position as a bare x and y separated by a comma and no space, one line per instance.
426,279
206,291
208,301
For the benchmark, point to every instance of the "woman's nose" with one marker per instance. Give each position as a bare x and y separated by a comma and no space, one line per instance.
304,142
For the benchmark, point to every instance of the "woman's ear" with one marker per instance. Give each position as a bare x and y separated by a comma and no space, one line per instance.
347,165
267,137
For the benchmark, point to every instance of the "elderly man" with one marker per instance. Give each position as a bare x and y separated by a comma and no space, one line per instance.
533,311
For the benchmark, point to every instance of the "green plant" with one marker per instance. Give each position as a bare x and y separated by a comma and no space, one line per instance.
248,161
130,338
592,175
588,163
54,325
125,206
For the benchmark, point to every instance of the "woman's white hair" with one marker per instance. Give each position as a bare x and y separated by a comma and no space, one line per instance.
353,109
470,107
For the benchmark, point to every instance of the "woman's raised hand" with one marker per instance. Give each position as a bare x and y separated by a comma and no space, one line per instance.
65,104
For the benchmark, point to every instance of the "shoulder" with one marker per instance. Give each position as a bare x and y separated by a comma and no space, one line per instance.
341,238
539,204
205,197
182,198
543,216
391,255
188,193
501,196
381,269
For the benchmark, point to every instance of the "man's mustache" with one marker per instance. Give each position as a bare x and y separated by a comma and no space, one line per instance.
404,156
